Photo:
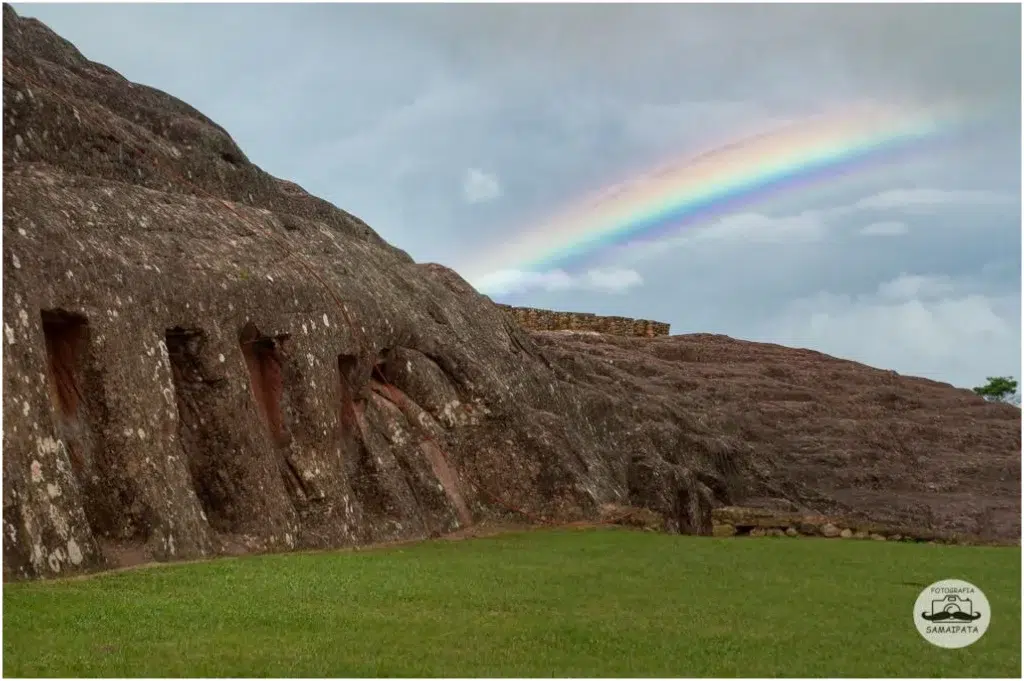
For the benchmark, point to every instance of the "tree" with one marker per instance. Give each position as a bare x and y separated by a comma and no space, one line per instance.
999,389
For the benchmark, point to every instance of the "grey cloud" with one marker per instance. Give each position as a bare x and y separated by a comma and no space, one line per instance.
480,186
918,199
885,228
614,280
936,327
884,49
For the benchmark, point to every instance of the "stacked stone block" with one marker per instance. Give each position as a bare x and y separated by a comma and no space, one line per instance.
549,320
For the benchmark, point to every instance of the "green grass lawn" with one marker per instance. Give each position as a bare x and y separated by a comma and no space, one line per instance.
545,603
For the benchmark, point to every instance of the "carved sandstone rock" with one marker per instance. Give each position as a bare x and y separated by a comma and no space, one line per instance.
202,359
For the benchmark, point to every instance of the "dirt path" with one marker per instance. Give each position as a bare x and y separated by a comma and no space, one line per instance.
134,558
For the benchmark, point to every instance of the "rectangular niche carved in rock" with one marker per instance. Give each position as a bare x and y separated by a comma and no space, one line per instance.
79,405
265,378
348,404
67,337
278,390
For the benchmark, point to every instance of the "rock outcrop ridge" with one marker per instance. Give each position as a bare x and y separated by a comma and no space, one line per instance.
536,319
201,359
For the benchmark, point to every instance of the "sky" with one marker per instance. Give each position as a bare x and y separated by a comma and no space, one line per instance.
455,129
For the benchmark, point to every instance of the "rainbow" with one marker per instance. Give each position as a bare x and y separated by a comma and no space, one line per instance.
691,191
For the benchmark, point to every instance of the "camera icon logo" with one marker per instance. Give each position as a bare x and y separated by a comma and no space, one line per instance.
952,607
952,613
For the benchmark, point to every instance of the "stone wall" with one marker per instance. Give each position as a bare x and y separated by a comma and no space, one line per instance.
550,320
733,521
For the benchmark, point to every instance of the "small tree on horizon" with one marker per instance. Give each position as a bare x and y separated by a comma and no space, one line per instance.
999,389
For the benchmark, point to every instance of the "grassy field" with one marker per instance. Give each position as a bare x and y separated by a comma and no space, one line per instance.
544,603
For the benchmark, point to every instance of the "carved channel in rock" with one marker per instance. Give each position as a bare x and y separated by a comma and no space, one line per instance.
199,397
380,369
350,406
67,344
421,481
448,478
364,470
67,338
108,498
265,378
266,358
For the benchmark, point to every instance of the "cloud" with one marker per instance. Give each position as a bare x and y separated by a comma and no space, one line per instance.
610,280
480,187
916,286
932,326
885,228
885,50
918,200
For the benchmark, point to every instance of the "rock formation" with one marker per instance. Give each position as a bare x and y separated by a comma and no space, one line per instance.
202,359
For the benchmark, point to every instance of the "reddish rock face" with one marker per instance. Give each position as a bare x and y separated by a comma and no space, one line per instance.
819,433
202,359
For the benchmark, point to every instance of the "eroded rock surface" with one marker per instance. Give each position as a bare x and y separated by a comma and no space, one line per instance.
823,434
202,359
